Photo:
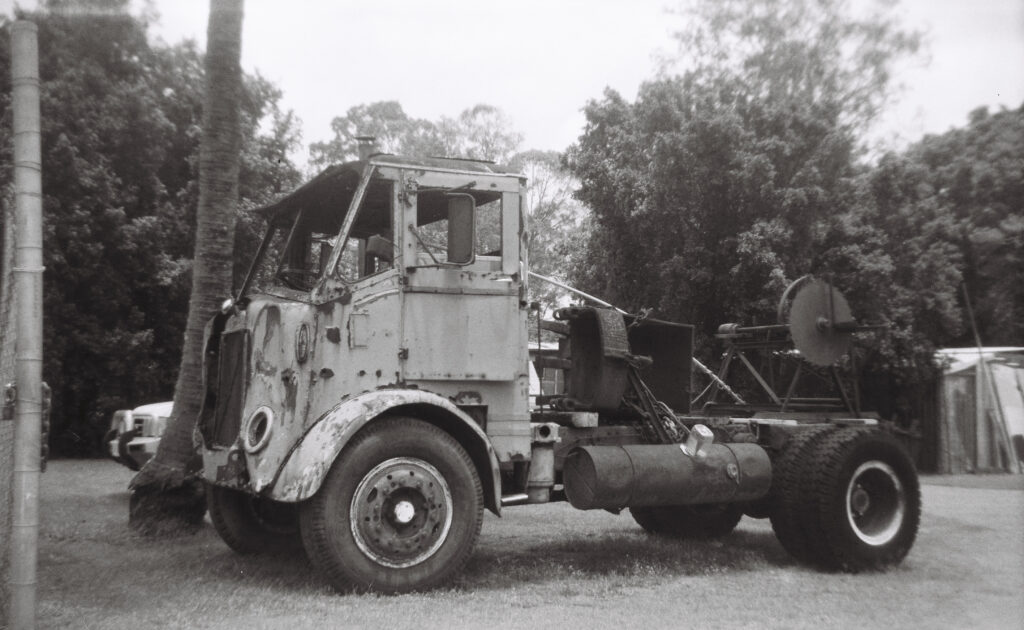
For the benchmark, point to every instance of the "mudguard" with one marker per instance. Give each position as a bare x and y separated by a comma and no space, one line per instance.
306,467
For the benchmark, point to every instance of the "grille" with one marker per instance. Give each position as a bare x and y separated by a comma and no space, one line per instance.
140,423
232,381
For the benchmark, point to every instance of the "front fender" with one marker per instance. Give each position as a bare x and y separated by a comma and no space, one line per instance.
306,467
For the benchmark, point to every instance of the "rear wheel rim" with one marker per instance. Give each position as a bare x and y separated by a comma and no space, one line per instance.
876,503
401,512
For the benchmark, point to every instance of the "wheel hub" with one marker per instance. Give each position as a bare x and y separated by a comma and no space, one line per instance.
404,512
401,512
860,501
876,503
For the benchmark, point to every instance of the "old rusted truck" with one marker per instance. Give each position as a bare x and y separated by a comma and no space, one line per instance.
368,395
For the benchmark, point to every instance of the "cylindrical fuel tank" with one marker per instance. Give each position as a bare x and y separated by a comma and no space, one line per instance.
643,475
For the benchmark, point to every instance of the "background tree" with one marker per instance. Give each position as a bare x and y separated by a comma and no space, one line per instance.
719,185
481,132
556,222
121,130
173,473
944,211
976,176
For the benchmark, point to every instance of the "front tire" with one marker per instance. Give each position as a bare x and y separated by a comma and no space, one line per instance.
249,524
400,510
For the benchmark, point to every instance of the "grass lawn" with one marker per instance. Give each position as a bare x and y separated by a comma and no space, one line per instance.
547,566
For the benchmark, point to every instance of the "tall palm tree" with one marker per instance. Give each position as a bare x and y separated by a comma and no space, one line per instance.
169,485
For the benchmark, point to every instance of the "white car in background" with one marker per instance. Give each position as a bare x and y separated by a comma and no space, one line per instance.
135,433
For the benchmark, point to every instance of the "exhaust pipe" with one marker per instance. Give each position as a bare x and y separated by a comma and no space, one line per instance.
365,147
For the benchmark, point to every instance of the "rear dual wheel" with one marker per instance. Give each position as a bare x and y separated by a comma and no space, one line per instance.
787,495
849,500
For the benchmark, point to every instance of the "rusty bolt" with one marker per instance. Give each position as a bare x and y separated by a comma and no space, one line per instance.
733,471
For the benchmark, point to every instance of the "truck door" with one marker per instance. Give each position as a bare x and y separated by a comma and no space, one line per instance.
462,319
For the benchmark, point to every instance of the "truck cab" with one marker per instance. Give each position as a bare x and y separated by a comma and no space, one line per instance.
358,292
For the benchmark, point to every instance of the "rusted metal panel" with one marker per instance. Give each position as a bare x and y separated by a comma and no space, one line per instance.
298,379
304,472
441,179
510,434
358,330
453,338
510,234
446,165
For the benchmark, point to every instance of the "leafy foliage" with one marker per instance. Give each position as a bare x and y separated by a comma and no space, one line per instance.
976,175
714,203
481,132
718,187
120,156
556,222
834,55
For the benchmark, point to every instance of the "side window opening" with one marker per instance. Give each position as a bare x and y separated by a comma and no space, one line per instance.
446,234
488,233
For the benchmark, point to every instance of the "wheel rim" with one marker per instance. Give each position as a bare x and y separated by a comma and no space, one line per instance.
401,512
876,503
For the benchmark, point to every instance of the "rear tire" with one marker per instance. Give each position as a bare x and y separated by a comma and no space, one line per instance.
702,521
790,470
249,524
864,502
400,510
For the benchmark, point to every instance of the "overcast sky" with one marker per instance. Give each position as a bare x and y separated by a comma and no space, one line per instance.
541,60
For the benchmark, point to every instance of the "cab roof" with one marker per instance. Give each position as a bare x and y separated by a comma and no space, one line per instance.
339,181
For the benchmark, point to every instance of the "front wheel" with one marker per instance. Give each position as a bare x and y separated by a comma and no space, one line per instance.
399,511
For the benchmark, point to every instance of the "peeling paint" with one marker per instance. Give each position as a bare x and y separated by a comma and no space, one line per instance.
272,315
291,387
303,472
468,398
262,366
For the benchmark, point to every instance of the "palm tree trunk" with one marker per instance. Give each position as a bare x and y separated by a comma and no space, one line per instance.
172,475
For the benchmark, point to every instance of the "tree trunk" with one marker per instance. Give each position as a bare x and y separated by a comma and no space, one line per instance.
167,492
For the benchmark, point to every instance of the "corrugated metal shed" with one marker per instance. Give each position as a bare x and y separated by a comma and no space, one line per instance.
981,405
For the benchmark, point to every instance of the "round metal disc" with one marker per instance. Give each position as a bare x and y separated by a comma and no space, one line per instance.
782,310
816,306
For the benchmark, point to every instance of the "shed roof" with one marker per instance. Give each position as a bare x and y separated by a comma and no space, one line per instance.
963,359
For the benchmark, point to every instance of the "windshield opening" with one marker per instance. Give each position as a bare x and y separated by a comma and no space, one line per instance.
304,229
